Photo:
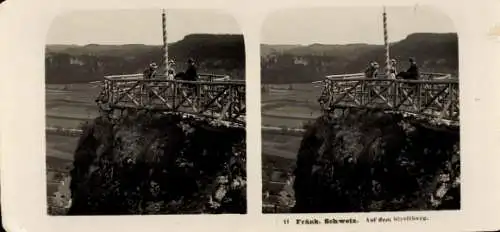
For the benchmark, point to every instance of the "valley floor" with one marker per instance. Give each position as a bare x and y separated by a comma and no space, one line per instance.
285,106
66,106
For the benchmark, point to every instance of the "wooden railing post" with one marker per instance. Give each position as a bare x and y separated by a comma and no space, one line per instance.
394,92
369,92
110,91
112,83
451,101
232,99
363,87
198,95
104,95
419,96
173,85
327,96
143,90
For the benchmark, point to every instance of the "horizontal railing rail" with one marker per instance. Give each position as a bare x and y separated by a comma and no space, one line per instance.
223,100
437,98
160,76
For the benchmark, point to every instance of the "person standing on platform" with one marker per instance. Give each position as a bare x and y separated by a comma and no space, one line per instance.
412,73
191,74
150,71
171,70
148,74
392,69
170,74
372,70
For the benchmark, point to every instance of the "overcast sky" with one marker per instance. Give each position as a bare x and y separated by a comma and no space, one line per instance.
137,26
351,25
290,26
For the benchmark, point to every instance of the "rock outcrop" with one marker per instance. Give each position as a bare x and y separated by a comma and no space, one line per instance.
375,161
158,164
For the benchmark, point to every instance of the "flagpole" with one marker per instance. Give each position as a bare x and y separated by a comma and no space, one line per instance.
165,44
386,43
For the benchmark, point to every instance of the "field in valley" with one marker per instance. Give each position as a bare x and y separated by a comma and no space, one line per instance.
289,105
285,106
67,106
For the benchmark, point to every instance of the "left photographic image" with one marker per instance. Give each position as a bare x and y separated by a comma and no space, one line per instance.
145,113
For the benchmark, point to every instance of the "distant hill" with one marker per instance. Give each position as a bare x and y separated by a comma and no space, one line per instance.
266,49
221,54
283,64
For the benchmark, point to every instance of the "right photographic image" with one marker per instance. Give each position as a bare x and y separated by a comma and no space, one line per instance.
360,110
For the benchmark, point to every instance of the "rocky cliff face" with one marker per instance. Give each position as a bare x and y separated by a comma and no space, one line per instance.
159,164
373,161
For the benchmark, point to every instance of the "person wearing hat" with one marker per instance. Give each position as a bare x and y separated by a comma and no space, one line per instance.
170,74
148,74
171,62
412,73
171,70
375,67
372,70
191,72
392,69
150,71
413,70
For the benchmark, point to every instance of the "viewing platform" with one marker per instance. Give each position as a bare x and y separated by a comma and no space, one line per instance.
434,96
214,96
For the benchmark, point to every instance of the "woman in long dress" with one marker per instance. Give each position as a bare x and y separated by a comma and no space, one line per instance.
171,70
392,69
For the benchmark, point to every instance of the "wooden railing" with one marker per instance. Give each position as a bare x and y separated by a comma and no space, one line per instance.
423,76
436,96
201,76
223,100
